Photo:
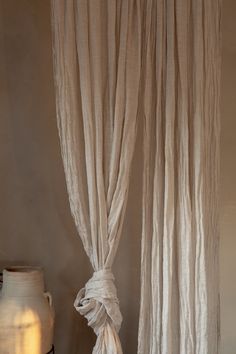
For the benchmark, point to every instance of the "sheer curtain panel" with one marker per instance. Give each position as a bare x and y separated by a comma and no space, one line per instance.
179,276
159,60
97,62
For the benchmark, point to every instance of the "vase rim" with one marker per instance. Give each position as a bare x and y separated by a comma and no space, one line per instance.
23,269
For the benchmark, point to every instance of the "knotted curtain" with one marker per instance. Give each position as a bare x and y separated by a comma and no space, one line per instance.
161,58
97,61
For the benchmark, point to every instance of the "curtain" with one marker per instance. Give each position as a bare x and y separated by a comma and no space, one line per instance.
97,62
158,60
179,310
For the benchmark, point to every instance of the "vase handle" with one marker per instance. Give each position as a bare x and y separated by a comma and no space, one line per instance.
48,297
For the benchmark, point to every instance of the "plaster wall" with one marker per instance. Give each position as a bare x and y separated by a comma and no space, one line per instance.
228,181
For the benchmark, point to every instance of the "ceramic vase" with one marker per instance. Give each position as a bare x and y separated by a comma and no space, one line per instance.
26,313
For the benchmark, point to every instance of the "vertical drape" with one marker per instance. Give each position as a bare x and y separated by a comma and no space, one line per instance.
179,276
161,58
97,74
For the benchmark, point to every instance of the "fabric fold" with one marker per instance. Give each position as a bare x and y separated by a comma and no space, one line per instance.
179,310
97,63
98,301
157,60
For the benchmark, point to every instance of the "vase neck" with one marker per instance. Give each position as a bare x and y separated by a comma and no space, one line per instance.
22,281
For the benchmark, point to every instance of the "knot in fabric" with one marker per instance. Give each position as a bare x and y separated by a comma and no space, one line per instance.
98,301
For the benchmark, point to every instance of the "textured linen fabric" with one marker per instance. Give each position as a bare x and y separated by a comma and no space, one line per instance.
97,62
158,59
179,276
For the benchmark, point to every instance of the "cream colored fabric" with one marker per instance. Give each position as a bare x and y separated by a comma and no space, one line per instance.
97,61
98,302
179,277
161,58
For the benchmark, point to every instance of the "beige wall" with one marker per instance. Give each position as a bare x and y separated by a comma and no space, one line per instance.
35,222
228,181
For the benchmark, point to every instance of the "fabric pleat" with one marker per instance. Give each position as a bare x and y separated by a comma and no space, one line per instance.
179,310
97,63
117,61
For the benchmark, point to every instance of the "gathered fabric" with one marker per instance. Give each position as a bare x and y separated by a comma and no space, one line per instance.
179,311
97,65
98,302
156,61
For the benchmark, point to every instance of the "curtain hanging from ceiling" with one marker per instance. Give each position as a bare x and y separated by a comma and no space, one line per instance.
161,58
97,72
179,276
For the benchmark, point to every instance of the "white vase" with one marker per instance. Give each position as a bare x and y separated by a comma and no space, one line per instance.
26,313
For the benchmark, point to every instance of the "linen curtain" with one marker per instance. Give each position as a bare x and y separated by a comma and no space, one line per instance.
179,277
159,60
97,51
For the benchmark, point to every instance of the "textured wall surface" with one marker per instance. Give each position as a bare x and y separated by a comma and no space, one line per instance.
228,181
35,222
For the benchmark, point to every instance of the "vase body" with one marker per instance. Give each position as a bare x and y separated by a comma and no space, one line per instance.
26,313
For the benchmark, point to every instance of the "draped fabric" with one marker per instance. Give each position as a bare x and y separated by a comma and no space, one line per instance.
159,60
179,276
97,51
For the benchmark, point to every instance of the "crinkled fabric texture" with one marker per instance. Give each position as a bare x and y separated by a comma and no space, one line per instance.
179,267
97,63
158,59
98,302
